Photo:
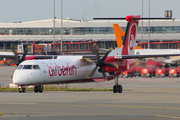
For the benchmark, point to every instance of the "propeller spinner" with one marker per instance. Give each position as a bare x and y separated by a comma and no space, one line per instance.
100,62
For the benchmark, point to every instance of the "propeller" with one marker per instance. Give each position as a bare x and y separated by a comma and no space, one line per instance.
17,59
100,62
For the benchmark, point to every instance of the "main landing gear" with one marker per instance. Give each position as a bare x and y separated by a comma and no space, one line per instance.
117,88
37,88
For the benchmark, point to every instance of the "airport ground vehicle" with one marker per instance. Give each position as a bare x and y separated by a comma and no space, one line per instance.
174,72
127,73
147,72
159,72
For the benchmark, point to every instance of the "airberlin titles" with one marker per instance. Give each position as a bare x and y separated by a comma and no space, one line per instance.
67,70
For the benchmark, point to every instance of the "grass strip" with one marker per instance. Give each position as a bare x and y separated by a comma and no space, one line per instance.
54,89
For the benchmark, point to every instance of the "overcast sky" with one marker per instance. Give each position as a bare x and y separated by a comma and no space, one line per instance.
30,10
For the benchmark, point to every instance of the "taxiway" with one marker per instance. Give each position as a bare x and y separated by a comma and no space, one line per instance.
142,99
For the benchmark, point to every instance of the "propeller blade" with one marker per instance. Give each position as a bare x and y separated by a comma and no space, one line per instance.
25,53
92,73
104,57
95,50
99,62
13,50
111,65
88,60
103,72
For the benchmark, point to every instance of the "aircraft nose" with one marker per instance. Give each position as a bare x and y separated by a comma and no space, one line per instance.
17,78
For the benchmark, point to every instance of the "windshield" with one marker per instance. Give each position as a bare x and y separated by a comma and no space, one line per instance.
20,67
28,67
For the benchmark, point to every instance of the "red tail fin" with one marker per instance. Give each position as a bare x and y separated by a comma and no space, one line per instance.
130,35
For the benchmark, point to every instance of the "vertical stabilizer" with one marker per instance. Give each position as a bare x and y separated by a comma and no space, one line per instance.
130,35
119,35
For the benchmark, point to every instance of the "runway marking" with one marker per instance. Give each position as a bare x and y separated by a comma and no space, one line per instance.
136,106
108,105
19,103
167,116
99,105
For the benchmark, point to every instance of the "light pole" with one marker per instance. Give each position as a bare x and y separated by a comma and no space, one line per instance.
61,26
149,28
142,24
54,25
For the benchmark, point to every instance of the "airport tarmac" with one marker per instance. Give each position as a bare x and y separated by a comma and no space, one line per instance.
142,99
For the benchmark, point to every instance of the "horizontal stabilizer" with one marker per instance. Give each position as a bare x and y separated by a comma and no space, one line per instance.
134,18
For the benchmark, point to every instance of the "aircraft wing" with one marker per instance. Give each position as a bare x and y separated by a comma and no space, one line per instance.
93,57
12,56
7,56
143,56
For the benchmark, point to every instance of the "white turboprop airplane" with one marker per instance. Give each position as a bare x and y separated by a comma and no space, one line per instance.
76,69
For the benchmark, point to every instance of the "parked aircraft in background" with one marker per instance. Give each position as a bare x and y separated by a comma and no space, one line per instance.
75,69
158,67
17,58
140,51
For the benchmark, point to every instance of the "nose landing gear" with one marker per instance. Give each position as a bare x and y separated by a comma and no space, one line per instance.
22,89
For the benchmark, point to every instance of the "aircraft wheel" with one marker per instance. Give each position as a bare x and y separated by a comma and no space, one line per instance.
35,88
120,89
40,88
20,90
23,90
114,89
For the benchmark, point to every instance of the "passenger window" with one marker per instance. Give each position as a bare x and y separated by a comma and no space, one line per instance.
36,67
27,67
20,67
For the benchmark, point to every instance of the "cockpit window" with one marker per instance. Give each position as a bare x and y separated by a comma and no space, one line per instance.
27,67
36,67
20,67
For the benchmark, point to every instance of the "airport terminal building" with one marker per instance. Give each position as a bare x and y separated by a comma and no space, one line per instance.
102,32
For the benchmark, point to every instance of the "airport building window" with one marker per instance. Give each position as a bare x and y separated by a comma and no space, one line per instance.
95,30
110,30
173,46
163,46
88,30
83,46
153,46
74,47
90,46
66,47
84,30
